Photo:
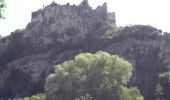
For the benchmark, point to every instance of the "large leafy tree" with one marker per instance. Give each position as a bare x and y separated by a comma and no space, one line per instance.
101,75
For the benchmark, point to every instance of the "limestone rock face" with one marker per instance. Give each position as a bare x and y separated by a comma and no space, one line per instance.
66,23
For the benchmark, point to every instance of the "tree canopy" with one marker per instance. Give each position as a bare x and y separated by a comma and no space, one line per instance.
101,75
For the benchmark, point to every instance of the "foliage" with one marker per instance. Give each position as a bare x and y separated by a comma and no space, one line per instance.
146,70
85,3
166,75
158,92
101,75
114,32
86,97
140,32
130,94
15,84
36,97
12,41
165,80
2,5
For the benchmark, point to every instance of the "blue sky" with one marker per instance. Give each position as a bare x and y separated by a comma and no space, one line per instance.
128,12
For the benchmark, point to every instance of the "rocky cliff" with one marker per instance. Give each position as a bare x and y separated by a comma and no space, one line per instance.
57,33
67,23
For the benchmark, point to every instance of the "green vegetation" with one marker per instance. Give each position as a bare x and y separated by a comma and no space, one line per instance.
158,92
130,94
148,61
140,32
164,90
2,5
98,76
101,75
86,97
36,97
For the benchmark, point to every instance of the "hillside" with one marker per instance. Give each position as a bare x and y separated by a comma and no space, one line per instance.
57,33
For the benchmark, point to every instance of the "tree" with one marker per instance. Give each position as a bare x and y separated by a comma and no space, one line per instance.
2,5
100,75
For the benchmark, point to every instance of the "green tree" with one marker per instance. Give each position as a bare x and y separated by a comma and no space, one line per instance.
2,5
100,75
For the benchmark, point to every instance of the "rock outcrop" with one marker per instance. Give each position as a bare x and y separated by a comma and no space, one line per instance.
56,33
67,23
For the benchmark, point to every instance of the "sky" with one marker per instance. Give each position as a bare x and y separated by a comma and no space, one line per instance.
128,12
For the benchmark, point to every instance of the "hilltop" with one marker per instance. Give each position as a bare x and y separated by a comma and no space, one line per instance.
57,33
